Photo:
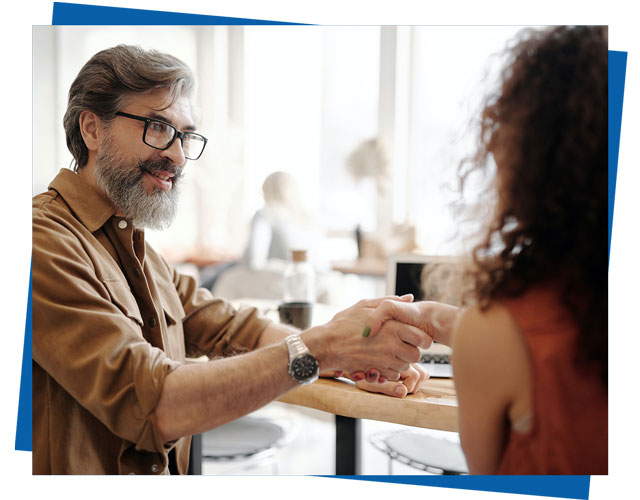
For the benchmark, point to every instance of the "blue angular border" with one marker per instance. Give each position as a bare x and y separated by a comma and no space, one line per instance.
96,15
23,431
617,72
573,487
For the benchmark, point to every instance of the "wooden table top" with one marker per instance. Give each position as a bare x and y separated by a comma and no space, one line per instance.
434,406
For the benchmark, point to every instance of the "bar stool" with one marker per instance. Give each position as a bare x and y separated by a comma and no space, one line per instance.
245,442
421,451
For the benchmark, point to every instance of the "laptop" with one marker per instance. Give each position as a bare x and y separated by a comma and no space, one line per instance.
427,278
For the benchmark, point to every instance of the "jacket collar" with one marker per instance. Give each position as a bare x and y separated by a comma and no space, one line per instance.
91,206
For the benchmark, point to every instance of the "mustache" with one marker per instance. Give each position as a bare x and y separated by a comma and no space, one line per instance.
153,166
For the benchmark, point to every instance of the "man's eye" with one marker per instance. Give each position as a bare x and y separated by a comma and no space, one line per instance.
158,127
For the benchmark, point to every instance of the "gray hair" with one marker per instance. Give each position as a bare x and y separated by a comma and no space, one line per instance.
110,77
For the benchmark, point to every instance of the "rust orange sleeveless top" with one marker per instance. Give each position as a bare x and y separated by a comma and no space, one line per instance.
569,426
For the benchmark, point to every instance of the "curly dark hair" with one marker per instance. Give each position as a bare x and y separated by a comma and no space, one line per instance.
546,128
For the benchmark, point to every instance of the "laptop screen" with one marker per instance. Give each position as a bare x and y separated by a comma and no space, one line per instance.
426,277
408,279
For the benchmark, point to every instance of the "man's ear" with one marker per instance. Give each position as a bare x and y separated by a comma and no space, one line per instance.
90,128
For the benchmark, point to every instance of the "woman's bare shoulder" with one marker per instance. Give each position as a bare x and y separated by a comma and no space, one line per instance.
484,328
488,347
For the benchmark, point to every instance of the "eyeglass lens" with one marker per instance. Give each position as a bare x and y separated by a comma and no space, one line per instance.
159,135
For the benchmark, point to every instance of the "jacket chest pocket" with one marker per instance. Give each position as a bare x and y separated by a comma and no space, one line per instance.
123,299
174,316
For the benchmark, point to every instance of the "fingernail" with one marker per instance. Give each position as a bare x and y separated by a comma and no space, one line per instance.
399,391
366,331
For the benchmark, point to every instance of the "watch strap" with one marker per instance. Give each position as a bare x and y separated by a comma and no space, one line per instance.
296,346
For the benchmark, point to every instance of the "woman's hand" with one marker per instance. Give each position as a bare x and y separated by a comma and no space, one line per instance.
434,318
409,382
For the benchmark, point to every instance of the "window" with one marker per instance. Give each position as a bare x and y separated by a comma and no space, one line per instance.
452,69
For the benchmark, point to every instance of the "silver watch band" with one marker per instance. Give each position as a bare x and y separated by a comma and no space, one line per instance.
296,346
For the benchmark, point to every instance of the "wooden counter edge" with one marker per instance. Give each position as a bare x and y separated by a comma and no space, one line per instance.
434,406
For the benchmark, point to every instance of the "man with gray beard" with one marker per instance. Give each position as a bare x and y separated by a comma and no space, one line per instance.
113,323
123,186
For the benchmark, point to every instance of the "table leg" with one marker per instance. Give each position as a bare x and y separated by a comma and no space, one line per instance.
347,446
195,455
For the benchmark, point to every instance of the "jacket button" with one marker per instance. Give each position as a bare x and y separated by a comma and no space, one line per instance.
152,322
155,468
123,224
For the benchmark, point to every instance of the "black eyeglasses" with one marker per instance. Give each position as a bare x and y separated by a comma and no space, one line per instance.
161,135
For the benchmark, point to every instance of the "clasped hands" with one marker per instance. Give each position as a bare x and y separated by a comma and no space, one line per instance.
410,326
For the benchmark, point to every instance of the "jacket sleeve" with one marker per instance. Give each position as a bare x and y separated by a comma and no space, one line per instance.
212,325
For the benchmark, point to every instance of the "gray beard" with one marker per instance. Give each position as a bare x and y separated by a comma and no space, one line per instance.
122,183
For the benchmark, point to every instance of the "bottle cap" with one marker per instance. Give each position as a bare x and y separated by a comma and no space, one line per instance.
299,255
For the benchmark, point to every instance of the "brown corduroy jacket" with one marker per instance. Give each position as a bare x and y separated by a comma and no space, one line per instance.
110,320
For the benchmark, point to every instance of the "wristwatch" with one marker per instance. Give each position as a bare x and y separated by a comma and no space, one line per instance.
303,366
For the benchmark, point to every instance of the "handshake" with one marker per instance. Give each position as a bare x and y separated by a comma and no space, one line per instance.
377,342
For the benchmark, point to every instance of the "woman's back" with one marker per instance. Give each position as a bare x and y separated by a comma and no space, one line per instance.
568,428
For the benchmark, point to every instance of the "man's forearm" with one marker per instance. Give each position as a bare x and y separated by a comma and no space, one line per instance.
198,397
201,396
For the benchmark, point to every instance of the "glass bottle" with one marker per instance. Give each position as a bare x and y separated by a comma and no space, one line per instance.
299,279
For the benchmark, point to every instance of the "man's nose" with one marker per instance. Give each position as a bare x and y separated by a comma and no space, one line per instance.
174,153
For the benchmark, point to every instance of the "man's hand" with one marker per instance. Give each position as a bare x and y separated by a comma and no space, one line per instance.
437,320
339,345
409,382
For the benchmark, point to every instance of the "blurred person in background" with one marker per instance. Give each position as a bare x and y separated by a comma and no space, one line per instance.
282,225
285,223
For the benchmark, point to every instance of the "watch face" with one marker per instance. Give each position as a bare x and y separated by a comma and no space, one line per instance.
304,367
